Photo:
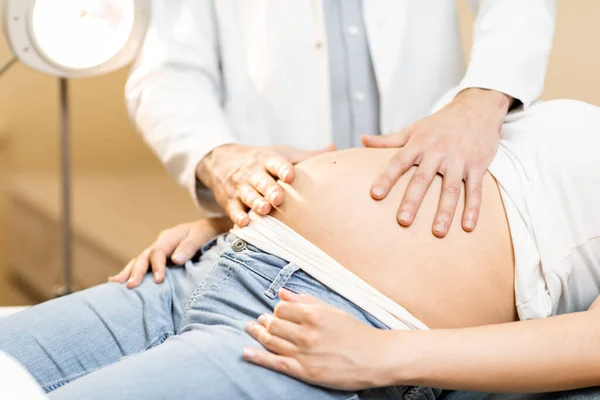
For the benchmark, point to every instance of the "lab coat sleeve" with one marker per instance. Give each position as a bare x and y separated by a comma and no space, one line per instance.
174,93
512,40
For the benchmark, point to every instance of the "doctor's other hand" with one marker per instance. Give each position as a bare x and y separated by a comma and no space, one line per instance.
457,142
320,344
244,177
179,243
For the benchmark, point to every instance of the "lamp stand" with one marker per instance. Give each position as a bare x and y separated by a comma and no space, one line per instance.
65,144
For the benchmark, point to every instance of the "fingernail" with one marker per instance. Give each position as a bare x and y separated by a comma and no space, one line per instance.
404,217
272,194
248,353
440,227
378,192
469,223
156,276
284,173
178,257
262,318
249,328
239,217
263,206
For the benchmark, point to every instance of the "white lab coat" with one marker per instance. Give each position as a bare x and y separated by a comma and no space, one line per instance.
255,71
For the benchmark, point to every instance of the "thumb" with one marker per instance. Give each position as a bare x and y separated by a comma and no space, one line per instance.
295,155
292,297
185,251
189,246
397,139
169,239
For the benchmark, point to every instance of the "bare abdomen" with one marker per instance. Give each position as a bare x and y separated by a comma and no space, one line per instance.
465,279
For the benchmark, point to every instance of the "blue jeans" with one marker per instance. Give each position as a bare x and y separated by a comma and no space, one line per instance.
579,394
181,339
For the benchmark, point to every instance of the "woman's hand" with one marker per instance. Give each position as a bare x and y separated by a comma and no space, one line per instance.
458,142
180,243
319,344
244,177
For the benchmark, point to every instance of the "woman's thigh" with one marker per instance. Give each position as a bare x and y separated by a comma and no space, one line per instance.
202,363
66,338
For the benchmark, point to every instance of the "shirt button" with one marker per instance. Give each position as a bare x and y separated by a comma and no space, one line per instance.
319,44
353,30
359,96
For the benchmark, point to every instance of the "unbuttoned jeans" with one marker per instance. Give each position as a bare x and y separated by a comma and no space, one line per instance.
181,339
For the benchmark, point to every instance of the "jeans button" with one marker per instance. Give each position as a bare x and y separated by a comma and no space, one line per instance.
238,245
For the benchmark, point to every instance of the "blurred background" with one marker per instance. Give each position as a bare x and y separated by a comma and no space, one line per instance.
122,196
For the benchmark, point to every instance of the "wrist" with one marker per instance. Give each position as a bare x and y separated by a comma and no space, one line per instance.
218,225
486,99
404,354
205,170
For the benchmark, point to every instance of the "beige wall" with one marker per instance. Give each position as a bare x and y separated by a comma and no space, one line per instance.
575,65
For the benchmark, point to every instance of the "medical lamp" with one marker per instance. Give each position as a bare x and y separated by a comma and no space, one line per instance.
73,39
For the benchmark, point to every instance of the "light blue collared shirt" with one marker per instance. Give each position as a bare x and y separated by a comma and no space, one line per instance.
353,87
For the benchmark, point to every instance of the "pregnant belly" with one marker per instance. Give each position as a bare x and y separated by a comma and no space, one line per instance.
465,279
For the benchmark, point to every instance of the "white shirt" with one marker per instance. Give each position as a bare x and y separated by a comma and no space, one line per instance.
256,72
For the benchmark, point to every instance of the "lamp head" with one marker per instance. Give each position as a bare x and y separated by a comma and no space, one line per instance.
75,38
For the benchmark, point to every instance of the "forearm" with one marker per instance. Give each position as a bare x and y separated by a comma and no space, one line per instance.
556,353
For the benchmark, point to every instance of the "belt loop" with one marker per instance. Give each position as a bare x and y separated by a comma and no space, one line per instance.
284,275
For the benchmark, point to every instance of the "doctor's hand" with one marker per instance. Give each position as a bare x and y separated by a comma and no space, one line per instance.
459,143
179,243
244,177
320,344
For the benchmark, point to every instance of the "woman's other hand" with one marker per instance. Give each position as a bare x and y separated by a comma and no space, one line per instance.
244,177
319,344
459,143
180,243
